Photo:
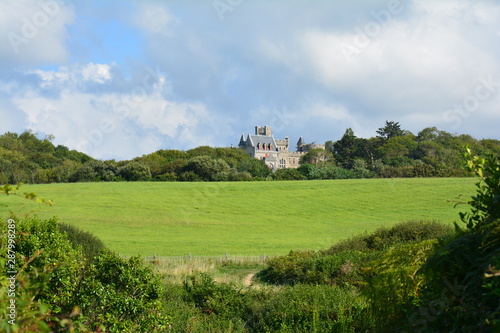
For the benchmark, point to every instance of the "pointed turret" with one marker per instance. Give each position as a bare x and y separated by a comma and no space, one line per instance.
243,142
300,144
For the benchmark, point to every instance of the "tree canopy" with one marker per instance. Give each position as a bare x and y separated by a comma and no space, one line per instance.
394,152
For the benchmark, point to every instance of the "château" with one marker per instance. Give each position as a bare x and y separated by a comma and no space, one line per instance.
275,153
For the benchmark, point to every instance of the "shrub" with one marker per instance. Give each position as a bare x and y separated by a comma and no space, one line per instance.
313,268
394,284
134,171
288,174
90,245
55,252
462,279
84,173
305,308
207,167
404,232
220,299
112,293
122,295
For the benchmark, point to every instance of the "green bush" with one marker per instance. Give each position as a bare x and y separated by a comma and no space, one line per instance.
134,171
394,283
54,254
305,308
314,268
220,307
207,168
122,296
404,232
288,174
461,290
90,245
112,293
220,299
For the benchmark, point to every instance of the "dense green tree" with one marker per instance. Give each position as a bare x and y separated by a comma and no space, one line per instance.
316,156
202,151
396,151
206,167
390,130
134,171
257,168
84,173
346,149
288,174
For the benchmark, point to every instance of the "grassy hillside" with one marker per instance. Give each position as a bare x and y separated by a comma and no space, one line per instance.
242,218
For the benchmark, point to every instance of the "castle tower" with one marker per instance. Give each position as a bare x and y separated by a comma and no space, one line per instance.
300,144
266,130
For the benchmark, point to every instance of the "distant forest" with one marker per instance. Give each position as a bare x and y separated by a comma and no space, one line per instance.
394,152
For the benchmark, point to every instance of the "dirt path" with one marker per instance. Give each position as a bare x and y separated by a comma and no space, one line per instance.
248,280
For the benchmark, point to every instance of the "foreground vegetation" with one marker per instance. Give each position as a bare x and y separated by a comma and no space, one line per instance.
412,277
242,218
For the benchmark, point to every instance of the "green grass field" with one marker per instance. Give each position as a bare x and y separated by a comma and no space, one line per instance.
241,218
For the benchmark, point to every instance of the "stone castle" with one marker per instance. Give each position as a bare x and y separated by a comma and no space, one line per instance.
275,153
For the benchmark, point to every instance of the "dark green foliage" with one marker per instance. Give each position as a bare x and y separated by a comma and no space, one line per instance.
345,262
393,153
134,171
383,238
206,167
56,254
462,288
390,130
288,174
26,158
316,156
122,295
486,203
302,308
314,268
84,173
221,299
111,292
90,245
306,308
328,171
346,149
393,284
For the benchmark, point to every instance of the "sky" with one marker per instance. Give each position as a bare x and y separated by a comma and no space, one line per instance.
118,79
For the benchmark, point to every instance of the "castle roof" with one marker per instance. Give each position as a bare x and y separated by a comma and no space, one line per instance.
262,139
242,140
254,140
301,142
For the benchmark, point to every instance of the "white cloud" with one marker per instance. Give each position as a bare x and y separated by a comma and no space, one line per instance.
155,18
35,31
111,124
97,73
417,66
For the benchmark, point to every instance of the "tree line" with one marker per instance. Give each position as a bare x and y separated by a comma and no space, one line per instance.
394,152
